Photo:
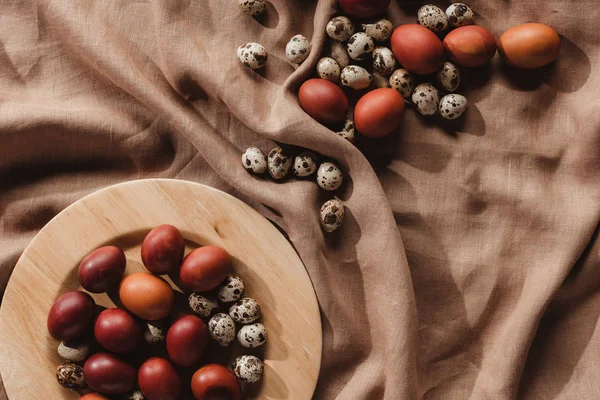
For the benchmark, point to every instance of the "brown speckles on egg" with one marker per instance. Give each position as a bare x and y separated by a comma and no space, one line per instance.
222,329
251,336
70,375
349,131
340,28
432,17
332,215
384,61
201,305
402,81
253,55
232,289
254,161
329,69
448,77
156,331
248,369
360,46
426,97
329,176
279,163
297,49
252,7
245,311
305,164
355,77
380,30
452,106
460,14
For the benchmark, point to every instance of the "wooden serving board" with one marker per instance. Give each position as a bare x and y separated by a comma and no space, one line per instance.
122,215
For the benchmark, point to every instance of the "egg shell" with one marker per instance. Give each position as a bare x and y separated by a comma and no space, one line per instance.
222,329
162,249
402,81
108,374
356,77
364,8
117,331
305,164
339,52
254,160
245,311
159,380
71,315
135,395
253,55
470,46
417,48
205,268
75,351
329,69
448,77
452,106
332,215
279,163
384,61
215,382
248,369
70,375
324,101
380,30
155,332
102,269
348,132
146,295
232,289
298,49
379,112
186,340
529,45
202,305
426,97
340,28
251,336
252,7
360,46
459,14
433,18
329,176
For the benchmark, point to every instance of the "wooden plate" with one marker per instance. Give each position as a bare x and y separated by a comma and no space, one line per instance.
123,215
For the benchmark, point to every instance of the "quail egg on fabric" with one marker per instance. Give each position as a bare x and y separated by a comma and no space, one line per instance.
297,49
253,55
245,311
380,30
384,61
248,369
448,77
232,289
340,28
279,163
70,375
252,7
432,17
339,52
329,176
251,336
254,160
201,305
332,215
356,77
222,329
329,69
452,106
402,81
305,164
349,131
75,351
460,14
360,45
426,97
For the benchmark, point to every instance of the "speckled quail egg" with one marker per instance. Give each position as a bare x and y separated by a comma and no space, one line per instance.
402,81
254,161
380,81
432,17
340,28
253,55
305,164
452,106
232,289
380,30
279,163
70,375
460,14
384,61
339,52
254,335
329,69
448,77
248,369
252,7
201,305
329,176
356,77
136,395
222,329
245,311
155,332
349,131
332,215
75,351
360,46
297,49
426,97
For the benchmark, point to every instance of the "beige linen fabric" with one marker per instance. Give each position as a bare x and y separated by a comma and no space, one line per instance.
467,267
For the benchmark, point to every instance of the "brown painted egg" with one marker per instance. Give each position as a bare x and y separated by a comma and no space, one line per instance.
529,45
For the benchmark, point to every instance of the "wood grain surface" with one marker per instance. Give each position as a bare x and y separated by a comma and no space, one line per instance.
122,215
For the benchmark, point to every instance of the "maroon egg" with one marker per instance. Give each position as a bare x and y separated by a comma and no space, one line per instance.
117,331
324,101
158,380
71,315
102,269
107,374
186,340
205,268
162,249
